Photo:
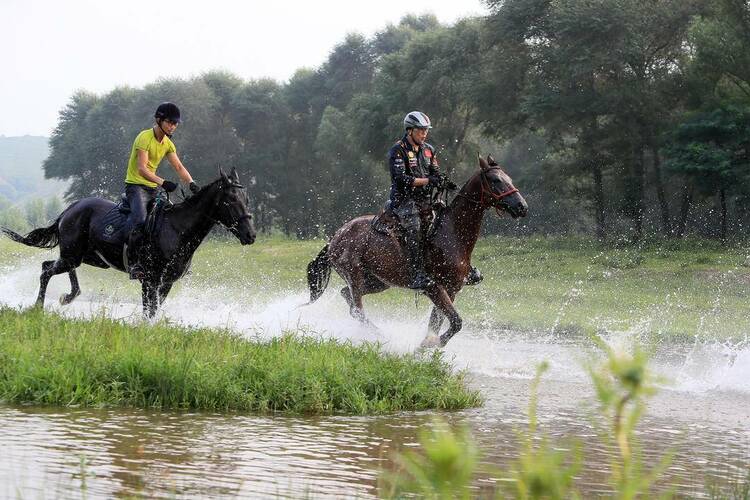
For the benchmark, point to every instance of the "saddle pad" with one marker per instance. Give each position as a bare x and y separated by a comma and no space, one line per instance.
113,228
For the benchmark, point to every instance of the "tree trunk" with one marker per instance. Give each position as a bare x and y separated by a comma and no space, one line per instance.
723,203
660,192
638,188
601,229
687,199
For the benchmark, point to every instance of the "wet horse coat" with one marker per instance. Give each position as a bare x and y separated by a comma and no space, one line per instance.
371,262
169,250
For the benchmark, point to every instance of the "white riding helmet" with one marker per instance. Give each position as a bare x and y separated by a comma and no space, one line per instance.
417,119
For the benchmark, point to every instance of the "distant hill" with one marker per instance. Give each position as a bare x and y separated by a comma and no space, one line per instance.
21,173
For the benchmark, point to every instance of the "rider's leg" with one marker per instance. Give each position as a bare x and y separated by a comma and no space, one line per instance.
138,197
415,253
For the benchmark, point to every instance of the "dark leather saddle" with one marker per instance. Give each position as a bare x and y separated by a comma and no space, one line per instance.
115,227
386,222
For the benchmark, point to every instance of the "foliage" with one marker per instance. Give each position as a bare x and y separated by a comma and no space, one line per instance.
622,384
541,470
449,463
585,100
444,469
45,359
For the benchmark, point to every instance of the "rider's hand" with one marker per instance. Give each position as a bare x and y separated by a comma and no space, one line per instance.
449,184
194,188
168,186
433,181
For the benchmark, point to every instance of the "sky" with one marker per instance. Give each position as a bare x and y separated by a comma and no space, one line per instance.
51,48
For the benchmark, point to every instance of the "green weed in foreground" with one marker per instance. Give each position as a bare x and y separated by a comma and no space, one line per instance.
447,465
46,359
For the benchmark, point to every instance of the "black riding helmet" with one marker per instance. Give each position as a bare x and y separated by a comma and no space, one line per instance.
168,111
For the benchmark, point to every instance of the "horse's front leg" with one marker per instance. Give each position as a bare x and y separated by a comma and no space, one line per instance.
164,289
150,298
436,321
444,303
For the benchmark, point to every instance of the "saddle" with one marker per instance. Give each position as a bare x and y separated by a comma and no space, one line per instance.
387,223
114,227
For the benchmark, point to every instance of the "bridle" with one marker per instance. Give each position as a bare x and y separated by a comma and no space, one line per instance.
236,221
488,192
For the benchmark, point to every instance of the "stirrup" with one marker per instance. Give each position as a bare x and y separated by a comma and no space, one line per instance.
474,277
420,282
136,272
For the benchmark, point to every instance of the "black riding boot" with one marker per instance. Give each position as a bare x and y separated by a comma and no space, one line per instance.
135,241
474,276
419,279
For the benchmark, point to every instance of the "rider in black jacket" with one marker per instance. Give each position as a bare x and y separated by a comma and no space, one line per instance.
414,173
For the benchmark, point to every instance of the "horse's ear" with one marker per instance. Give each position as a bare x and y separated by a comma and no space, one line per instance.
234,175
223,175
482,163
491,161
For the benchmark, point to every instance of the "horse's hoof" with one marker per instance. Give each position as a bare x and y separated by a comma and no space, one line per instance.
431,341
65,299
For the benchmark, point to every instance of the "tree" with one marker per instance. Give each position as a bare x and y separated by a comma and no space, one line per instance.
713,147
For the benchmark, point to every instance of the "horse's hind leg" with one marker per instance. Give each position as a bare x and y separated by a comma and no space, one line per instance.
364,285
51,268
75,290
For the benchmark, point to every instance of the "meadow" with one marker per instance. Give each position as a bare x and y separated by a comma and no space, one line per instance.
665,290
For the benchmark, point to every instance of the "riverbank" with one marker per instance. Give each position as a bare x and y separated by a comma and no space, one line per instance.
46,359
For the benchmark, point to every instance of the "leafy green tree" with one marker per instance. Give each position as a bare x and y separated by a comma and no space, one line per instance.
13,219
35,214
713,147
53,207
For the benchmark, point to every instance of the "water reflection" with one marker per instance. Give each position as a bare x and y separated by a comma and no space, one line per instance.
168,454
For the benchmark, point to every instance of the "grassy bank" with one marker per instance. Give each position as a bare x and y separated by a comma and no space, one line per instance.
666,289
46,359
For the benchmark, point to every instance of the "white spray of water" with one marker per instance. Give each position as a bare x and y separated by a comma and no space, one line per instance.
485,350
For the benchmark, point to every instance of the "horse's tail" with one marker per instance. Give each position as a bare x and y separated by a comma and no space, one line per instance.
43,237
318,274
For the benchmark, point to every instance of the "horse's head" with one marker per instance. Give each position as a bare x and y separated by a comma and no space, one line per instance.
232,210
498,191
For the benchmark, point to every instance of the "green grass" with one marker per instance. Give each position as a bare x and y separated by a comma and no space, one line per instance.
46,359
666,289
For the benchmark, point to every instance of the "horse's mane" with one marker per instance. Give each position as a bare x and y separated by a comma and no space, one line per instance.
194,198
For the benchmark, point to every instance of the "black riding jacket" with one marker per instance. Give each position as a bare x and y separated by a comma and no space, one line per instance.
407,163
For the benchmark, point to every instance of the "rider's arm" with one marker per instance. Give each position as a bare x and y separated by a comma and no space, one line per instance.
144,170
174,160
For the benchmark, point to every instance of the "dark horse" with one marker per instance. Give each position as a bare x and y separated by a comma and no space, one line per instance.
371,262
168,251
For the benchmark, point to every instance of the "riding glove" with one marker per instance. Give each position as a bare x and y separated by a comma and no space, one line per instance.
194,188
168,186
434,181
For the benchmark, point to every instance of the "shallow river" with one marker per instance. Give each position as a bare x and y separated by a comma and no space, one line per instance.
701,414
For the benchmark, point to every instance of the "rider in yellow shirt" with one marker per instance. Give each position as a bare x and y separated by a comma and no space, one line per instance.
141,181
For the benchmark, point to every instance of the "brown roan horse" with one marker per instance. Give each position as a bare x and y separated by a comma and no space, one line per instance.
370,262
